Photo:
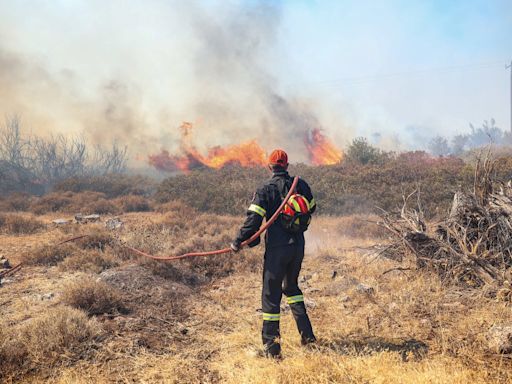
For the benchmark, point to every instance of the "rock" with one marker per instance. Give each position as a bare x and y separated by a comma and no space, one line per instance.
4,263
47,296
91,218
60,221
363,288
499,338
114,223
334,274
87,219
344,298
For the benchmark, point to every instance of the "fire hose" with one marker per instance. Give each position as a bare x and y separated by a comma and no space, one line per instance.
268,223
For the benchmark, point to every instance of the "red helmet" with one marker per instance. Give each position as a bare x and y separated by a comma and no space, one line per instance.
278,157
296,204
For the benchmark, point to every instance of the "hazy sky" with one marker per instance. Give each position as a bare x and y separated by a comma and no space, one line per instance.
404,70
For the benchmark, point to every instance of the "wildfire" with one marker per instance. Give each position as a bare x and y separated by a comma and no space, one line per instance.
246,154
320,149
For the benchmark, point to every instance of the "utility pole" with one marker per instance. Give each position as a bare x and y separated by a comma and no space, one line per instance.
507,67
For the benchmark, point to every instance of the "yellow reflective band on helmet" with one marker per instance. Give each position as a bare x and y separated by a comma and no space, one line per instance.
295,204
271,316
312,203
256,208
295,299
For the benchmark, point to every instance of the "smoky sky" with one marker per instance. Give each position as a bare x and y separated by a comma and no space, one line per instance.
133,72
240,70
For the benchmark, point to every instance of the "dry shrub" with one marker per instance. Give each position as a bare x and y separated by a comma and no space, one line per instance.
94,297
19,225
47,254
97,239
41,342
15,202
84,202
133,203
89,202
100,206
112,185
176,208
91,261
53,202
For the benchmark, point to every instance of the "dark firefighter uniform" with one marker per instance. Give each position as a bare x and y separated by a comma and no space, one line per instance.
284,252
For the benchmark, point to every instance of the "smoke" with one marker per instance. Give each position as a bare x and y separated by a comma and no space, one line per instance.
131,72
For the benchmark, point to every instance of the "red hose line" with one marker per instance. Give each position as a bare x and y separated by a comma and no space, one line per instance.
72,239
10,271
219,251
226,250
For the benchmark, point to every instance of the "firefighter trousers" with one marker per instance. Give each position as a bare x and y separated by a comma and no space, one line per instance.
280,275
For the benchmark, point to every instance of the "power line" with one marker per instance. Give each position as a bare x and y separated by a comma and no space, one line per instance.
427,71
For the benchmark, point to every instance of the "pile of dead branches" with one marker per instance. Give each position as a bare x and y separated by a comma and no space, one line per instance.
472,246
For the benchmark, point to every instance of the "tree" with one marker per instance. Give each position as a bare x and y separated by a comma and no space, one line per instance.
362,152
459,143
438,146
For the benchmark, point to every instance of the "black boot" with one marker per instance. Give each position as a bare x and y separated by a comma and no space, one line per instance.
271,339
303,324
272,350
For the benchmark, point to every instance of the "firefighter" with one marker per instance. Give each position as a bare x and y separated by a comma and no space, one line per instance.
284,249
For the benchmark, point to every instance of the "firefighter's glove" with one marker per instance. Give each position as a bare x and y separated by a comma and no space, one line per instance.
235,246
255,242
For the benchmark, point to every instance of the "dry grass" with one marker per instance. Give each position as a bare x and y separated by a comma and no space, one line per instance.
57,337
18,224
97,238
93,296
86,202
47,254
94,261
198,321
133,203
15,202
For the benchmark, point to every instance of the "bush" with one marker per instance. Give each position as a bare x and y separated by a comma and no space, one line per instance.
84,202
15,202
94,297
348,188
133,203
101,207
47,254
19,225
228,190
53,202
93,262
41,342
97,239
112,185
361,152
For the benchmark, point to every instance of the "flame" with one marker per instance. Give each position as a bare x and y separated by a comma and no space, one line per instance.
321,149
246,154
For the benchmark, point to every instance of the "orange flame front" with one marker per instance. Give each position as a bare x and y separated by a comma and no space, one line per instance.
321,150
246,154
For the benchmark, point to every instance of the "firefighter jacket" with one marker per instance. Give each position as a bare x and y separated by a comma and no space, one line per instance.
266,201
